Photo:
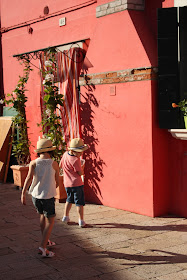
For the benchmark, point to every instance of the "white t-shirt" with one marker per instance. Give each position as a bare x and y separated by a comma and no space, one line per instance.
43,184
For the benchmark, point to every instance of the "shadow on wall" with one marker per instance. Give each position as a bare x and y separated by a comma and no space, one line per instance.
94,163
145,23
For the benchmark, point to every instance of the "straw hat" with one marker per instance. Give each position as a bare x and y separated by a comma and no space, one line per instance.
44,145
78,145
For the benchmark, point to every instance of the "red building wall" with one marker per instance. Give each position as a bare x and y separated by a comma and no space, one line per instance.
128,164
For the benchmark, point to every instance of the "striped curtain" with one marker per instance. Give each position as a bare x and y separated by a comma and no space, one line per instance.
69,65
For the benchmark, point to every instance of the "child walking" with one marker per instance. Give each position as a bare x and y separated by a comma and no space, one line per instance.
74,186
43,176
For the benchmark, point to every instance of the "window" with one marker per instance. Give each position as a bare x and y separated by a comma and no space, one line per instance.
172,64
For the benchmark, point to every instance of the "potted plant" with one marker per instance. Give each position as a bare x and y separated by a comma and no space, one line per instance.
51,120
182,105
20,140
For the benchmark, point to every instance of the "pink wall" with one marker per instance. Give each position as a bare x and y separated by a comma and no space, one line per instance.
168,3
123,127
178,176
127,165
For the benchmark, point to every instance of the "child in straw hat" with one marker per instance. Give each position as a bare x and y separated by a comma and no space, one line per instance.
43,176
72,172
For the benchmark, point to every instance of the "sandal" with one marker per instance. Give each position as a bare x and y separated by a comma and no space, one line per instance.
45,253
50,243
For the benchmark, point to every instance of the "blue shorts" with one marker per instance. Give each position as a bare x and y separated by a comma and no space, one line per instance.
75,195
45,206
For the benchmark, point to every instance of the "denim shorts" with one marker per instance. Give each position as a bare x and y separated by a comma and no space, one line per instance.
45,206
75,195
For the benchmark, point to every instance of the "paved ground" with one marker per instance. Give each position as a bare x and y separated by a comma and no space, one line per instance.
116,244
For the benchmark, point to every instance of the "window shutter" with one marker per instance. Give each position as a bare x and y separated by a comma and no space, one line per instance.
168,74
183,51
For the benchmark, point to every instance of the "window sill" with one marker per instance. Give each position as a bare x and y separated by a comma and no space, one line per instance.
179,133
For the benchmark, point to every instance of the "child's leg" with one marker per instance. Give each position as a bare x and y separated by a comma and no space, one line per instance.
67,209
49,223
80,201
80,211
42,223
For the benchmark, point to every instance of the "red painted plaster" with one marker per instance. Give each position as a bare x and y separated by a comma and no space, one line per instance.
124,147
168,4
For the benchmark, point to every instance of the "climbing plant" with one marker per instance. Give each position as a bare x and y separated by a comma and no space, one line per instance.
52,100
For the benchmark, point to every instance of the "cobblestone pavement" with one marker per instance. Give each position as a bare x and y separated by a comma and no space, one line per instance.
116,244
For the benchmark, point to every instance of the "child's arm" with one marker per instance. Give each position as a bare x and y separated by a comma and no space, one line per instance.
56,168
28,181
81,172
78,166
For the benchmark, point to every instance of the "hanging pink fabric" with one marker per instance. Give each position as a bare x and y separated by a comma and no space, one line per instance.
69,67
